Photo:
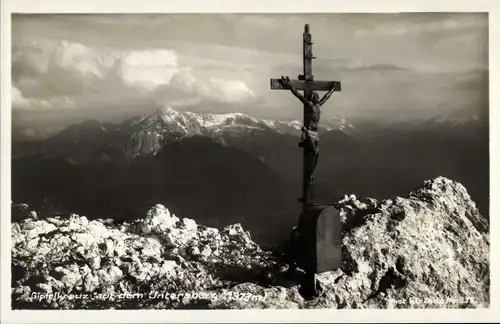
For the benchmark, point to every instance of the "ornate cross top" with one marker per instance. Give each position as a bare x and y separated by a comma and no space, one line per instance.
312,104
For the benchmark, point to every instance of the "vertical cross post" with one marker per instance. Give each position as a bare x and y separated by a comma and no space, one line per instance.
316,243
307,77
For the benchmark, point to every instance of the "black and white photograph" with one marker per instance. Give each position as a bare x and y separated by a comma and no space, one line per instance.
192,161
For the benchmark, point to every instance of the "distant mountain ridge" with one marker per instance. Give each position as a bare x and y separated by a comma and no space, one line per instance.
147,134
168,120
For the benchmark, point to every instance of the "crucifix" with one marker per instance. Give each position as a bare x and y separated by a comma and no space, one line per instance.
316,241
311,113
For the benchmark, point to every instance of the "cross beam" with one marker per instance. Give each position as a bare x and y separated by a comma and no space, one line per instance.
311,85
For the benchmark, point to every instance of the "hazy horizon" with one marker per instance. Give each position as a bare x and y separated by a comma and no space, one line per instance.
114,66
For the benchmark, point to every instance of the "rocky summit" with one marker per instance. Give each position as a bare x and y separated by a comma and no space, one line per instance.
428,250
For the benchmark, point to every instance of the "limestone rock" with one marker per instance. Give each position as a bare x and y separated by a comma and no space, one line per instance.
430,249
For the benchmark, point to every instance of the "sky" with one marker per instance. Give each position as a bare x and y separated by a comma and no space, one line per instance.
110,67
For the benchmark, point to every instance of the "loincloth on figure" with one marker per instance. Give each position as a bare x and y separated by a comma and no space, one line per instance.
311,139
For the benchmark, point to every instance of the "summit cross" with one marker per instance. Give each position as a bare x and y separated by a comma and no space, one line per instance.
311,113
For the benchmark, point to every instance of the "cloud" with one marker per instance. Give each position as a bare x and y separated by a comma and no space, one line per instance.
211,88
419,23
17,98
50,76
125,65
148,69
230,90
20,102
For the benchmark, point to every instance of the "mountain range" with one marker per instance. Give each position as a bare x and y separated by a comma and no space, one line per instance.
146,135
225,168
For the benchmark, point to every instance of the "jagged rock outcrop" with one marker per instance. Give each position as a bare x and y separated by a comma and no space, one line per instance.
430,249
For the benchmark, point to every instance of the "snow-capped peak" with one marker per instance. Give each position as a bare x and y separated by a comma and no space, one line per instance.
207,121
338,123
167,120
169,115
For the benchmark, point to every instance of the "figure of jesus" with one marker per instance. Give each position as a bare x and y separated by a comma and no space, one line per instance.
310,135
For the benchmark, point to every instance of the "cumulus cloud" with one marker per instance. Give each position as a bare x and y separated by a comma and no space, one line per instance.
210,88
20,102
53,76
148,69
17,98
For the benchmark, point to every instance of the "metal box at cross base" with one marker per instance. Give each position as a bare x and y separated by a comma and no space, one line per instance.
317,239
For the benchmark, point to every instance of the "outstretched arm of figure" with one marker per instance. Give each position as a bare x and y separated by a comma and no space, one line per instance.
285,81
327,96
